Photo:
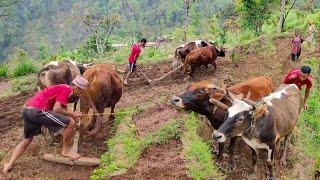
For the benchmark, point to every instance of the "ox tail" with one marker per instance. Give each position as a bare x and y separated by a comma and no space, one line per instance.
99,107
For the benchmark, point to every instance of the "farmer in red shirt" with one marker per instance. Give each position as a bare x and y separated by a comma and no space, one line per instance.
135,52
301,77
49,108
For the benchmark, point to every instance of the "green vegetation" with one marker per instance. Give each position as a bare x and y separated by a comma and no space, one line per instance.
125,148
2,155
23,84
308,123
24,67
198,153
4,70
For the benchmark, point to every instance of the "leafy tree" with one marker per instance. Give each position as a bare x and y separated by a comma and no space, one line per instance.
254,13
6,7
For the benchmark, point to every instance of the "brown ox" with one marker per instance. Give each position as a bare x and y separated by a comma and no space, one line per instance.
197,96
183,50
264,123
105,90
202,57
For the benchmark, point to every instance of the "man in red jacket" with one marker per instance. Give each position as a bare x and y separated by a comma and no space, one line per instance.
135,52
300,77
49,108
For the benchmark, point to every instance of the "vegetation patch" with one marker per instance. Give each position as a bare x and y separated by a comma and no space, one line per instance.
308,123
4,70
125,148
2,155
23,84
197,153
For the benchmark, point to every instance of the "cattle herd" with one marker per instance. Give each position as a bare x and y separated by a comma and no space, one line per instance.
250,109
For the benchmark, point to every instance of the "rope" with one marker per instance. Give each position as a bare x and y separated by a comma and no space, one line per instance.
105,113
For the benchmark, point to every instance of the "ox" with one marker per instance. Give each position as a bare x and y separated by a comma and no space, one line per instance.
198,95
202,56
60,72
183,50
105,90
264,123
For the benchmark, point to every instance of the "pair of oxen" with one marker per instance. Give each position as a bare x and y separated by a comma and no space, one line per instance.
261,119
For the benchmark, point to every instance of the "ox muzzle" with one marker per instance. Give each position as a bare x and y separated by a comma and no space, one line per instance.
177,101
218,136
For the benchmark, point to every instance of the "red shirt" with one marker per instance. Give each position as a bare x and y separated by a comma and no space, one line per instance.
46,98
135,52
293,78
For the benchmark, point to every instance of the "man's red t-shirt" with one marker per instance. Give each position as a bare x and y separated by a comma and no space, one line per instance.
46,98
293,78
135,52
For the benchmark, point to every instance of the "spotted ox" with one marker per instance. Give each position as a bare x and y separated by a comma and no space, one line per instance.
105,90
183,50
264,123
197,97
60,72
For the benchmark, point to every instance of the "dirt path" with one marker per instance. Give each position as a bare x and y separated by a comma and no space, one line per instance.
158,162
152,163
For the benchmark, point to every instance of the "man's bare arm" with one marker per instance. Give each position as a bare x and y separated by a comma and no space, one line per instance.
58,108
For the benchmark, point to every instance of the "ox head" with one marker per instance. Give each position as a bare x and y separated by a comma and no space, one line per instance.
197,96
240,118
84,67
220,51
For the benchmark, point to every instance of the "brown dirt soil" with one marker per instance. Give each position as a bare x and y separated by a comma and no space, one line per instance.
154,118
158,162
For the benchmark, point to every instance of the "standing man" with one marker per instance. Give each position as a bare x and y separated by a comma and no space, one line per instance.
301,77
49,108
135,52
296,45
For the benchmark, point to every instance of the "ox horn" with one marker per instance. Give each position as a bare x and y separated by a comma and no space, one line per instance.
248,101
248,95
218,103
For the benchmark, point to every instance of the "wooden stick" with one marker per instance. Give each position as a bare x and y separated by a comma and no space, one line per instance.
166,75
143,74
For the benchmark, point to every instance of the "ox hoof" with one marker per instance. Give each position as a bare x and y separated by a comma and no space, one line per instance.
271,178
283,162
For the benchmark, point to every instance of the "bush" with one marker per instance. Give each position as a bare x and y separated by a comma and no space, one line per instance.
24,67
4,70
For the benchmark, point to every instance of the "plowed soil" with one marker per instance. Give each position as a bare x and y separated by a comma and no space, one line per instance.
158,161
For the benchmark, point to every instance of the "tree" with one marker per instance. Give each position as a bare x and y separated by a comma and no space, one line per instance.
187,20
101,28
254,13
6,7
284,13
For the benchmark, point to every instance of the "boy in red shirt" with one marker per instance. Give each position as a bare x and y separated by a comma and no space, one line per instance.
135,52
300,77
49,108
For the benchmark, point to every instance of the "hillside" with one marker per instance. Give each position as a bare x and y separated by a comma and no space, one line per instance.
57,23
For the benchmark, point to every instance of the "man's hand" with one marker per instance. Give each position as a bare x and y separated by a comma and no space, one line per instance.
306,106
76,115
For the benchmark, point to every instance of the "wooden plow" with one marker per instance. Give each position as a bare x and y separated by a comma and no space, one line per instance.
82,161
